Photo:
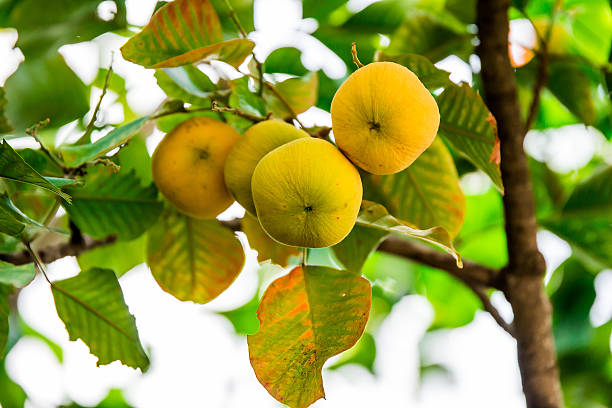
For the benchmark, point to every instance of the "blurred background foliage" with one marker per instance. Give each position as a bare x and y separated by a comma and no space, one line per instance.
574,205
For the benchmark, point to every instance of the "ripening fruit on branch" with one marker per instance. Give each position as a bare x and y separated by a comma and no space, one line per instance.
257,141
383,117
306,193
188,166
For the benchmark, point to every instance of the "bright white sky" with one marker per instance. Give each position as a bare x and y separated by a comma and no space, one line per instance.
197,359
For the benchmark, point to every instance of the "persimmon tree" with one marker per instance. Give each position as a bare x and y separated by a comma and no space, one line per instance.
460,250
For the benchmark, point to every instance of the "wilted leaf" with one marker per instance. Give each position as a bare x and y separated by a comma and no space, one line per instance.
300,93
353,250
465,123
76,155
16,275
432,77
91,306
193,259
265,246
184,32
13,167
306,317
426,194
374,215
113,204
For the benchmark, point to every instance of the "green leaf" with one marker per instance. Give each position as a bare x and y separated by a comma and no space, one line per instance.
374,215
12,395
454,304
120,256
423,34
244,318
77,155
586,218
13,167
45,88
184,32
113,204
135,156
193,259
572,302
306,317
242,97
363,354
266,247
579,98
91,306
320,9
470,128
300,93
45,26
426,194
5,126
355,249
5,291
187,83
286,60
432,77
16,275
60,182
9,224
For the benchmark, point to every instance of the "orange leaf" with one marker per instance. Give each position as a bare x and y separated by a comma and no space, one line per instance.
306,317
184,32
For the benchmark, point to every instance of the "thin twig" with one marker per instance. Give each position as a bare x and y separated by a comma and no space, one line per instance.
355,58
92,121
38,263
281,98
33,131
488,306
238,112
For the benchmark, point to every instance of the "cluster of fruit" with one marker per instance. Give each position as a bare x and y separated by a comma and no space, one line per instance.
304,191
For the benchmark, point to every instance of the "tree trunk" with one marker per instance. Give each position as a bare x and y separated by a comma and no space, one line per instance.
523,276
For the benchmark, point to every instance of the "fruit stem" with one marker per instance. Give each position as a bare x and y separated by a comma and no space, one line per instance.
354,54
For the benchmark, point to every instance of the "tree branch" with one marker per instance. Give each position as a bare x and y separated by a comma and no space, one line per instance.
471,272
50,254
526,266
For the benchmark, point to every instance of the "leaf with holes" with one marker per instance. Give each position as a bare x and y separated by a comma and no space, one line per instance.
306,317
184,32
426,194
77,155
470,128
355,249
13,167
300,93
585,219
374,215
5,126
91,306
113,204
266,247
432,77
193,259
16,275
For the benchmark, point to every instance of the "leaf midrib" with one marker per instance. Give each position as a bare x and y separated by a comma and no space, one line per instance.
92,310
116,199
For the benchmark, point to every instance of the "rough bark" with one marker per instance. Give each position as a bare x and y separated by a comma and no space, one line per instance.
524,286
